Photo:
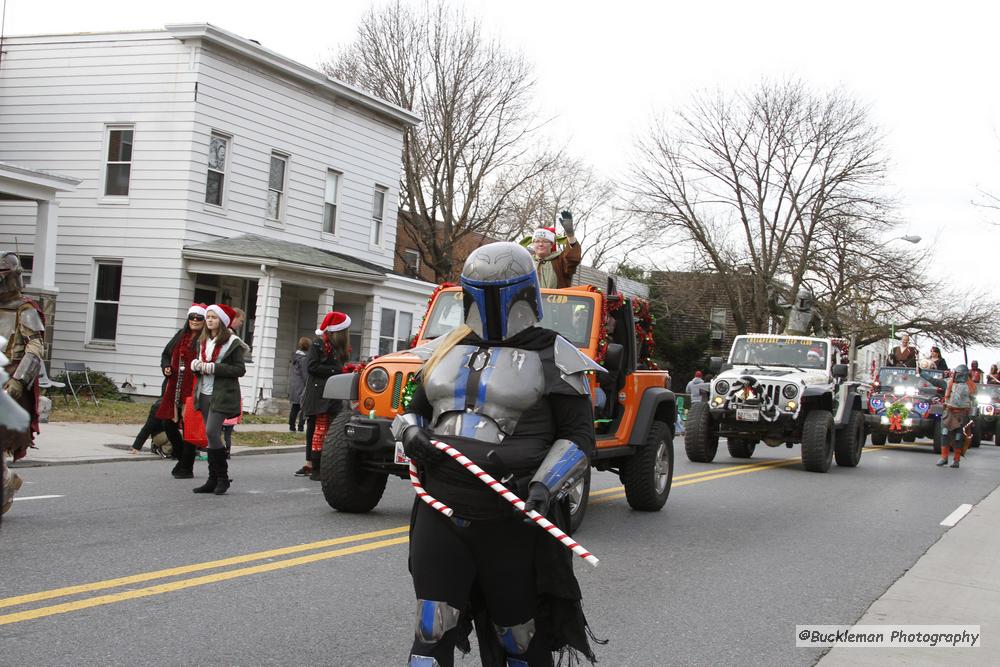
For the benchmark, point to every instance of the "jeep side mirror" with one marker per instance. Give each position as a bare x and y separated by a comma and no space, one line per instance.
839,370
715,365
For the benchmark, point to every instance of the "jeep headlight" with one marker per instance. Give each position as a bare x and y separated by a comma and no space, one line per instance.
790,391
377,380
722,387
790,406
911,391
899,390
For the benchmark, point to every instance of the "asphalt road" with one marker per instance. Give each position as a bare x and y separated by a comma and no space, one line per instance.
738,557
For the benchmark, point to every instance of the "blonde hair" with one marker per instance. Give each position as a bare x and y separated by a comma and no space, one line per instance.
449,341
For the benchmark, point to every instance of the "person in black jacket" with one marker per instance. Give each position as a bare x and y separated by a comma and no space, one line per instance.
175,363
327,355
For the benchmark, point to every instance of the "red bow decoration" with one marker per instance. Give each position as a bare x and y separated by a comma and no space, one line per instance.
895,423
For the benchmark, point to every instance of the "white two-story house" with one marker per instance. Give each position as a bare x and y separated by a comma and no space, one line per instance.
210,169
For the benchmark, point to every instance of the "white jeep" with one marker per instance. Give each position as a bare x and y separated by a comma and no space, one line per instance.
780,390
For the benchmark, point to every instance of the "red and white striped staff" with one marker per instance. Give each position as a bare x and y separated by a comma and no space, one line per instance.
506,493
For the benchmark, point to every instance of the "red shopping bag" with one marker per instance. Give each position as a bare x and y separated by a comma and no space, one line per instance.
194,425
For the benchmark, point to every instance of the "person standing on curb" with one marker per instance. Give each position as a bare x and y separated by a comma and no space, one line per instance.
218,366
178,382
327,355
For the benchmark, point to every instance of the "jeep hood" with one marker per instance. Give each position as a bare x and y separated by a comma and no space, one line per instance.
807,377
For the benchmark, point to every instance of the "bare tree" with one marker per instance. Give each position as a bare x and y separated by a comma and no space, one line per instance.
607,230
749,181
474,147
866,286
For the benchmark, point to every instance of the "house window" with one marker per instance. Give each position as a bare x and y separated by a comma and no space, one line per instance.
394,332
27,266
718,319
276,186
215,183
118,170
378,213
330,202
106,293
411,262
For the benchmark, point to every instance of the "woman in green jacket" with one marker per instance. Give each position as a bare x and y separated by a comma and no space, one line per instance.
219,364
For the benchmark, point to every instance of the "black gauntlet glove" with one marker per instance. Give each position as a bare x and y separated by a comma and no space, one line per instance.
418,447
538,498
566,220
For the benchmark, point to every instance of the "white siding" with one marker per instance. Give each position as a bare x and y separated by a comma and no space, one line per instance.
58,93
56,96
266,112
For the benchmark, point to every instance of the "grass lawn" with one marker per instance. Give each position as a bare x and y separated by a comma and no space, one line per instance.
125,412
247,438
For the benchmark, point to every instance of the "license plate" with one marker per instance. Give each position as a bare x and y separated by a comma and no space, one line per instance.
747,414
400,456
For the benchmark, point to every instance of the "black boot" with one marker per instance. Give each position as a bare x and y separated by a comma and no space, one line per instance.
185,465
222,471
316,460
212,483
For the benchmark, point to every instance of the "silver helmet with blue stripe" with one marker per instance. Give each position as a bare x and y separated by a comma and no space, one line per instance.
501,291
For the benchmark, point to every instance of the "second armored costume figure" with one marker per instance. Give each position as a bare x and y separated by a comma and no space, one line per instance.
514,398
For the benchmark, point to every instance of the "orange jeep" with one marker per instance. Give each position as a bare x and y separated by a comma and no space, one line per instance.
634,410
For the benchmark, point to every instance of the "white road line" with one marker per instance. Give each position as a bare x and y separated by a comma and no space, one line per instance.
957,515
16,498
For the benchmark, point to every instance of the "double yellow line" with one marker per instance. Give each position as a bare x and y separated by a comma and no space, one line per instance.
393,537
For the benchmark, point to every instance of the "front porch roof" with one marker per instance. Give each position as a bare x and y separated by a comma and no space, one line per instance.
19,183
253,249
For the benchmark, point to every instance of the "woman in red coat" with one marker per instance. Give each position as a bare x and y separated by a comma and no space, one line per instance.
176,366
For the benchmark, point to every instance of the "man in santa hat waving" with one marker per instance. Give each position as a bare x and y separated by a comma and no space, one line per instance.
555,265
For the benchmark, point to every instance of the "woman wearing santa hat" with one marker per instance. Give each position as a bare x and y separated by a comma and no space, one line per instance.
556,266
218,365
175,363
327,356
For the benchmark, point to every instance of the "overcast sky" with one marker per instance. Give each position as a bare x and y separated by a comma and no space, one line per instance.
928,70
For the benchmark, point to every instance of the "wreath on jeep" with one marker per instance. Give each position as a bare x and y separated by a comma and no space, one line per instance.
896,413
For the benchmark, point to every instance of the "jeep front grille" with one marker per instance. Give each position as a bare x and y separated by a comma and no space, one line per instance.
767,398
397,389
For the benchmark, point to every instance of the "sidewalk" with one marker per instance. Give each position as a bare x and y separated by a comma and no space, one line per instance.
956,582
62,443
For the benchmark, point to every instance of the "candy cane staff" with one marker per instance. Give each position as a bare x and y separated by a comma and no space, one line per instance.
218,367
499,384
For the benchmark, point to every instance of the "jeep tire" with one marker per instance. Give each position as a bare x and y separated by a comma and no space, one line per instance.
576,502
894,438
700,441
937,437
850,440
878,438
346,486
909,437
741,448
817,441
648,473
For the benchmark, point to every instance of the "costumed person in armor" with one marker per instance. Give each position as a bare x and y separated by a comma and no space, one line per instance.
959,399
803,320
903,354
556,266
22,324
515,399
178,383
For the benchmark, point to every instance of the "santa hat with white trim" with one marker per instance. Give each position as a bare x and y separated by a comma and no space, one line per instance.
197,309
545,234
223,312
334,321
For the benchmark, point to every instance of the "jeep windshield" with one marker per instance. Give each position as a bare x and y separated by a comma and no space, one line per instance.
779,351
990,390
904,381
570,315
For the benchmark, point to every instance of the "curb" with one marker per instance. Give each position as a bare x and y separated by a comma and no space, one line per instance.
42,463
